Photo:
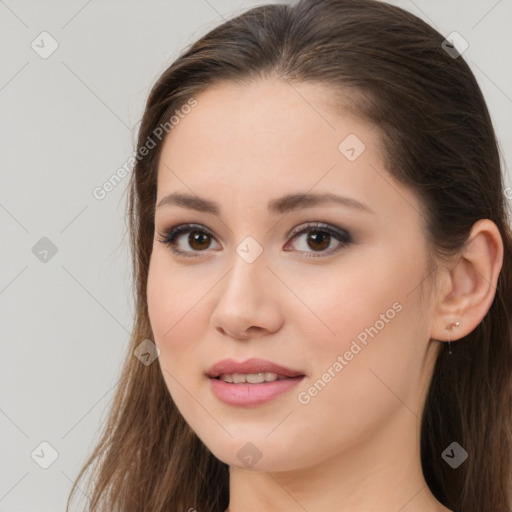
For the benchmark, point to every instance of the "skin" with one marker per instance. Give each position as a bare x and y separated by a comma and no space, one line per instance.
355,445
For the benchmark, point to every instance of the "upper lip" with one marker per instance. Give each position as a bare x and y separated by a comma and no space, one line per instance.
253,365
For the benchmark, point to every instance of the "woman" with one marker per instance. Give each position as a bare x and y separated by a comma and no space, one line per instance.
322,259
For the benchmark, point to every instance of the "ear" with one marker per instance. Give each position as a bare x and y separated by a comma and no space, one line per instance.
468,285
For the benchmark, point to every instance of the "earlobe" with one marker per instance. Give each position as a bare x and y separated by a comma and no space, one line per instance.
470,284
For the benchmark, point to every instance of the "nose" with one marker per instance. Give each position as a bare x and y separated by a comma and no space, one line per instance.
247,305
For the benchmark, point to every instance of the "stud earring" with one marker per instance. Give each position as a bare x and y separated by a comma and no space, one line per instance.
449,327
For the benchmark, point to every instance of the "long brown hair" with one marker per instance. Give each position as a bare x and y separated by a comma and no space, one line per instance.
438,139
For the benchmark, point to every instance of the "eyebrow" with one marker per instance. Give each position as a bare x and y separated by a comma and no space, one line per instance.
285,204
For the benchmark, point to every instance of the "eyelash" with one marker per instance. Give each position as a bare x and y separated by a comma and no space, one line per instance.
344,238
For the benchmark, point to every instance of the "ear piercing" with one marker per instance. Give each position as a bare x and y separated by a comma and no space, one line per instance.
450,326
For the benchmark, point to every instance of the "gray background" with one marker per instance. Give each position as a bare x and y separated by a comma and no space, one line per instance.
68,123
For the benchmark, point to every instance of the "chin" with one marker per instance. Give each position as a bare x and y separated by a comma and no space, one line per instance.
257,456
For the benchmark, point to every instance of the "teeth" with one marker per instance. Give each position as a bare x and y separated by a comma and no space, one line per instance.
251,378
238,378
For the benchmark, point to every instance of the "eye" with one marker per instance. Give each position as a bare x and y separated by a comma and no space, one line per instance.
321,238
199,239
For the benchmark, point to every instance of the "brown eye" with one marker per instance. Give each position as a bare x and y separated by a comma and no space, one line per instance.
321,238
199,240
317,237
318,240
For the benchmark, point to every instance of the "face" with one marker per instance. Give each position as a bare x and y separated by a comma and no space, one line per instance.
329,289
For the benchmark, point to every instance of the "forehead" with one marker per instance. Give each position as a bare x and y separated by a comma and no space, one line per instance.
262,127
268,137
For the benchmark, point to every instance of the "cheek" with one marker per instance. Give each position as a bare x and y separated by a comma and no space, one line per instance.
174,306
375,356
175,293
175,310
341,301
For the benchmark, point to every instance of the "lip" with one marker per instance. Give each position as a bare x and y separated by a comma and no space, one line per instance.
245,394
252,365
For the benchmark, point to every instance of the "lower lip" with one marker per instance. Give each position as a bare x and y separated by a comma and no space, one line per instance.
251,394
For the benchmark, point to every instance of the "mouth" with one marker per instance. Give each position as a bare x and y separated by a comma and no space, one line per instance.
251,378
251,382
251,371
